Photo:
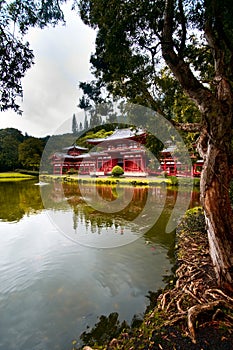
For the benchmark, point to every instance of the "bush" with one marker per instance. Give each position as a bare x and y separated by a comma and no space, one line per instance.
174,181
72,171
194,220
117,171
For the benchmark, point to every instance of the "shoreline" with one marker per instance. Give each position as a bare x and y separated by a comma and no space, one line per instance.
191,312
132,181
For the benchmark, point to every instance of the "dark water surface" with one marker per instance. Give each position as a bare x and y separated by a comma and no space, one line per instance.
63,262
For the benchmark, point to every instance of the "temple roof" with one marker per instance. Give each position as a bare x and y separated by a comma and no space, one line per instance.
120,134
169,149
75,147
67,156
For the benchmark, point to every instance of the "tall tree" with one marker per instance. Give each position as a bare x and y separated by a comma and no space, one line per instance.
74,125
194,40
86,124
10,140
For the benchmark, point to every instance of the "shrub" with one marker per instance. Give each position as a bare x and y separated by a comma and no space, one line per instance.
72,171
194,220
117,171
174,181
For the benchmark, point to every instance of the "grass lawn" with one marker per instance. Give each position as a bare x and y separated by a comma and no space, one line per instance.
12,176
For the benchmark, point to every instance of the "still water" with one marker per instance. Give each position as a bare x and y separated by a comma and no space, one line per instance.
64,261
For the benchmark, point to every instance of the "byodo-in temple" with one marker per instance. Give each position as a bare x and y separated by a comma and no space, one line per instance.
125,147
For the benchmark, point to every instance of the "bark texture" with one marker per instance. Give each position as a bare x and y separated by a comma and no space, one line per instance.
215,139
214,146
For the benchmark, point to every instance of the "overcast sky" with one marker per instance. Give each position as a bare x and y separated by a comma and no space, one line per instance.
51,93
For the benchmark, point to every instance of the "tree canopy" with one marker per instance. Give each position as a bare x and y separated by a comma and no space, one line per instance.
10,139
30,152
134,39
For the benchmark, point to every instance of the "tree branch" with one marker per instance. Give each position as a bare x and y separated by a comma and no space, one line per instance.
183,25
193,88
188,127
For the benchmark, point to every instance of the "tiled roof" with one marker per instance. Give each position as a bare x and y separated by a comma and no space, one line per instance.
169,149
67,156
120,134
75,147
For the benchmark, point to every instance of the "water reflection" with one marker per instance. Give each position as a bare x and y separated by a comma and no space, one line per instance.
24,198
51,289
18,199
148,210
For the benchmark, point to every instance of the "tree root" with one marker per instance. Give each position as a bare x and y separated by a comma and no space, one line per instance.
195,296
195,311
191,301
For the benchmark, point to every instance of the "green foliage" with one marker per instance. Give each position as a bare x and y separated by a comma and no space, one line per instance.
96,133
10,143
92,92
30,152
16,134
132,60
154,145
106,329
10,139
194,220
117,171
16,17
72,171
55,143
127,54
174,181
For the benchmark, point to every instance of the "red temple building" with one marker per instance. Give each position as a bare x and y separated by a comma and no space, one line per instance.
125,147
69,159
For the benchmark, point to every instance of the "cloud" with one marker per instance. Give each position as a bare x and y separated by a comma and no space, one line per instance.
51,92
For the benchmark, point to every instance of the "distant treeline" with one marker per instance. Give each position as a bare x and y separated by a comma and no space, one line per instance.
18,151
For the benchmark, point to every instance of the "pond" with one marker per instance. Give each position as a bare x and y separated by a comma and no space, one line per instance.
65,261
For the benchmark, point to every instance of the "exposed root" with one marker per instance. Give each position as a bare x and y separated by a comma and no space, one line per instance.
195,295
178,305
193,306
197,310
213,292
164,299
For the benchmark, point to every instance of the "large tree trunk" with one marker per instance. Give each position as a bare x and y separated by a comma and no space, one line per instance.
216,107
215,180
